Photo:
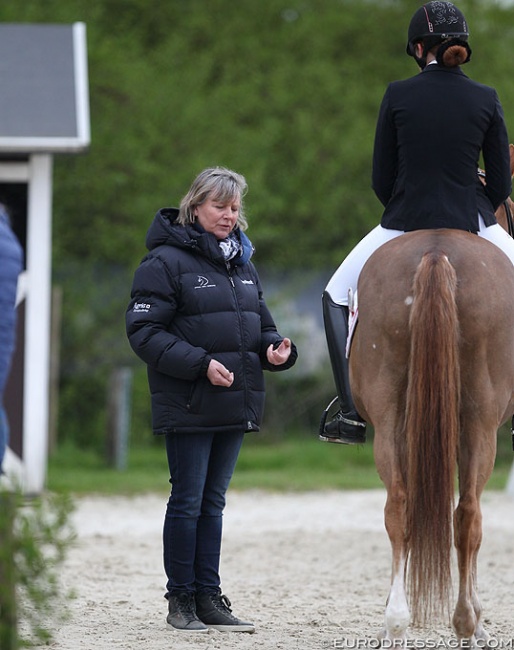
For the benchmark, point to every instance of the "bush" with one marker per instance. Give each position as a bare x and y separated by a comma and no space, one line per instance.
34,538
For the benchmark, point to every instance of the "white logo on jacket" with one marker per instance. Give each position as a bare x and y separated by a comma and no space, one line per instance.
203,282
140,307
247,281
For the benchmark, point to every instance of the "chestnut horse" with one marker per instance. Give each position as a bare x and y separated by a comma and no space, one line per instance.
432,369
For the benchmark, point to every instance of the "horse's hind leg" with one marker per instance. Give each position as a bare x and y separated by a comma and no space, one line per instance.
475,467
397,615
468,533
480,632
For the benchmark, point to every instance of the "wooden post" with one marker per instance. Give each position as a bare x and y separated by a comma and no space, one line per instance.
8,618
118,418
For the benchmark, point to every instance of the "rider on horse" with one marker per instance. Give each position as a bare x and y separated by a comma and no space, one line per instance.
430,133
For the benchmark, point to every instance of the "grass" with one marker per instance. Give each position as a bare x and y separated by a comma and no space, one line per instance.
305,464
294,463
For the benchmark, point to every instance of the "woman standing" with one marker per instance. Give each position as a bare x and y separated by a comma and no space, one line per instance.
198,319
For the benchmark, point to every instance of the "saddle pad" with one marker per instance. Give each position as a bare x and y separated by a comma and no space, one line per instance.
353,317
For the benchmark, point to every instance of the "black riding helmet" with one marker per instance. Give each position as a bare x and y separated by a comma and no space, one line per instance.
437,22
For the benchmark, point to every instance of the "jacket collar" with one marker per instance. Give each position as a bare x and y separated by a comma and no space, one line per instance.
435,67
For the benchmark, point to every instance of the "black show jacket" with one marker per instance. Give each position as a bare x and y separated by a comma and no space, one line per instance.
430,132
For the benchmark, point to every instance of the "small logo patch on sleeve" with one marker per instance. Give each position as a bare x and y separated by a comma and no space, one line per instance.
141,307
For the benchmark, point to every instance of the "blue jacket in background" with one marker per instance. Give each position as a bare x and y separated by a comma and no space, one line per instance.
11,265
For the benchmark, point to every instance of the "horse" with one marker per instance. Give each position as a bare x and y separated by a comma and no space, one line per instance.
432,369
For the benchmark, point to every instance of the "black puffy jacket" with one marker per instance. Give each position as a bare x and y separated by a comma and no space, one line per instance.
189,307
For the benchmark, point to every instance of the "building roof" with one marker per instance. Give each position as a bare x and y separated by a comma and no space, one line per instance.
44,98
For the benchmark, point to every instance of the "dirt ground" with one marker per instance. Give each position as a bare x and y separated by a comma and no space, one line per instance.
310,570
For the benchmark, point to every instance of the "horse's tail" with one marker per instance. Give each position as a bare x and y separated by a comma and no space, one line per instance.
432,434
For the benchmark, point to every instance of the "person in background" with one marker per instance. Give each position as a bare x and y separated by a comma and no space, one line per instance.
431,131
198,319
11,265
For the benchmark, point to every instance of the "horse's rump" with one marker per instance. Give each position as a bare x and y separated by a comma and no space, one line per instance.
381,349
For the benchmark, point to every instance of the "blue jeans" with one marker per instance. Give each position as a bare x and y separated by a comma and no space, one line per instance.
201,466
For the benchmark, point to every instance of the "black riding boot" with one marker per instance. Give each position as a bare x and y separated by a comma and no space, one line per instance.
347,427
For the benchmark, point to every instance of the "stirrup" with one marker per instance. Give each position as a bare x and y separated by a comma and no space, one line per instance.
350,428
324,416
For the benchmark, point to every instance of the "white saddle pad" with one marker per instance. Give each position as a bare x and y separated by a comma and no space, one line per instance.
353,308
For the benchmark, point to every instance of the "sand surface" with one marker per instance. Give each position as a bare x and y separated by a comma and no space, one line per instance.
310,570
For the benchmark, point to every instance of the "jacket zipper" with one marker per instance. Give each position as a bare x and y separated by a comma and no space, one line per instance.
243,359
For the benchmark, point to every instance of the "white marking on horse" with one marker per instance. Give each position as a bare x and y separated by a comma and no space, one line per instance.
397,615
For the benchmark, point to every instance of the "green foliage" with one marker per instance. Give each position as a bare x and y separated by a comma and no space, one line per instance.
35,537
285,93
93,343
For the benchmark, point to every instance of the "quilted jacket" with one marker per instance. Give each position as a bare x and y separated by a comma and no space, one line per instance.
188,306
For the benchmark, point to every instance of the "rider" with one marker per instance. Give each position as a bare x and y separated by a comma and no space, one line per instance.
430,133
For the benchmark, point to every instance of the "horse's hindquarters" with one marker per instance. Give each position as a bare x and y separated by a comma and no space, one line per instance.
415,368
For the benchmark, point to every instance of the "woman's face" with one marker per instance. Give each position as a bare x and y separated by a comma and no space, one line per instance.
218,217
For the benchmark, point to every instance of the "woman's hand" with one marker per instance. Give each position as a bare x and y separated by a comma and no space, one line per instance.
281,354
218,375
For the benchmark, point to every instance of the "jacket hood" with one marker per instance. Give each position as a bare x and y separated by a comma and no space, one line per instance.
165,231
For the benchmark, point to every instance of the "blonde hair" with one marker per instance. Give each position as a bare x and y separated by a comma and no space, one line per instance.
220,184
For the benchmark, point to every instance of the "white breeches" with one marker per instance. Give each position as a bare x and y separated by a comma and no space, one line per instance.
346,276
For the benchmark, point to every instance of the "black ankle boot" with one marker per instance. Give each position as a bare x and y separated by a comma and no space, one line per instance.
215,611
182,613
346,427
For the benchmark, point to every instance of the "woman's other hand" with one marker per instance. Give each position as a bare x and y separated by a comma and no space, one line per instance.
279,355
